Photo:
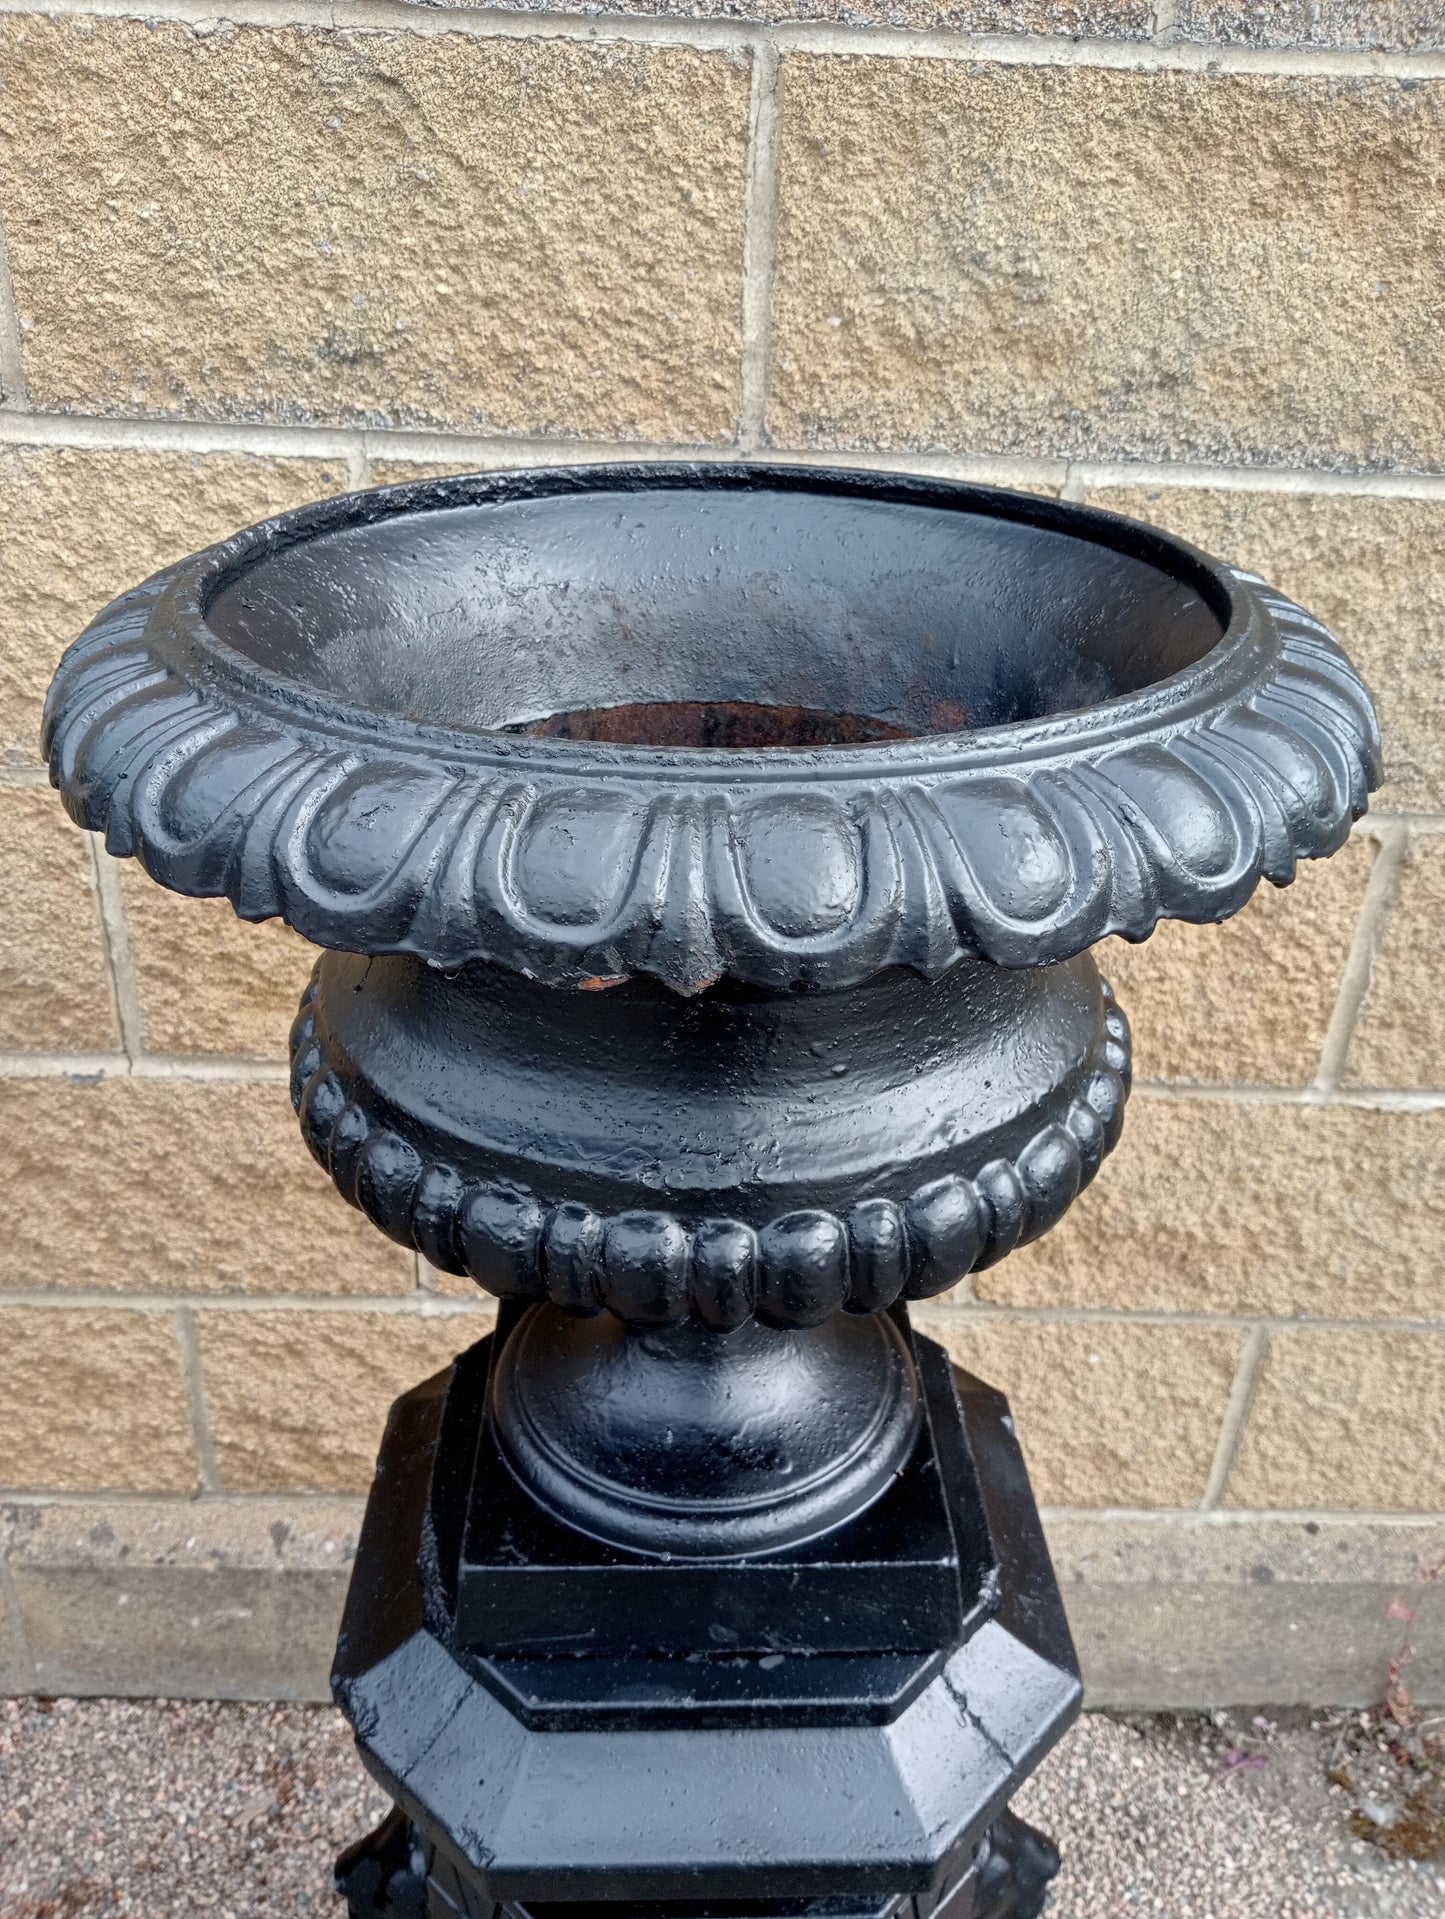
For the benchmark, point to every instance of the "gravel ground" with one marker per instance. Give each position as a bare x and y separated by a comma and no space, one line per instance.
157,1809
1234,1817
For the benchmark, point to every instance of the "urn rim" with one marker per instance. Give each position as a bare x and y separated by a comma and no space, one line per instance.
192,587
1021,842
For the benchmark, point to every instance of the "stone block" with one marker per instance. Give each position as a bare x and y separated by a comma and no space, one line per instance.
1250,1000
298,1400
177,1186
206,1600
215,1600
93,1398
389,469
510,235
80,524
55,989
1384,26
208,982
1352,1420
1094,263
1251,1206
1116,19
1399,1037
1202,1610
1373,569
17,1674
1108,1414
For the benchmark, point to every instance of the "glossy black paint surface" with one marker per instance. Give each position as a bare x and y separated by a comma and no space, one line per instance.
903,1573
310,719
774,1438
499,613
736,1153
394,1874
769,1808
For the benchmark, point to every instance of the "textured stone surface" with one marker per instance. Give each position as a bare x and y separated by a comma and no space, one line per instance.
1355,1421
391,470
203,1600
1400,1035
17,1673
1249,1000
299,1400
1116,19
449,1285
54,978
174,1185
78,525
1251,1207
93,1398
537,236
1107,1414
224,1601
1081,261
1386,25
208,982
1372,569
1209,1611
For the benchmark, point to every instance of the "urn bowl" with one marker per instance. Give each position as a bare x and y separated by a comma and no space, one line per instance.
709,856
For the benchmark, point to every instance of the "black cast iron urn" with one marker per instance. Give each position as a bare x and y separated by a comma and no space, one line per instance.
708,860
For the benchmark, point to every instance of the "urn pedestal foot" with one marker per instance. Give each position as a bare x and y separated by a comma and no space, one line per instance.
1012,1871
383,1875
386,1876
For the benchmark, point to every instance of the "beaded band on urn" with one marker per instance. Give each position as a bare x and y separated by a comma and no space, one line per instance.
651,1266
708,859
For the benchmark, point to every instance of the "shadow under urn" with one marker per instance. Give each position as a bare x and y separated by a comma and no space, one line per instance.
708,859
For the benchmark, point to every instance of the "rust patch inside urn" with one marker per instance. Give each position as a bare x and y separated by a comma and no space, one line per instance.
727,723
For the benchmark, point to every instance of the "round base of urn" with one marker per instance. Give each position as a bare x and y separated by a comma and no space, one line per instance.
684,1442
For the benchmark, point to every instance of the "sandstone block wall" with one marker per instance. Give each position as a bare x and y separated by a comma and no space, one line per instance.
1181,260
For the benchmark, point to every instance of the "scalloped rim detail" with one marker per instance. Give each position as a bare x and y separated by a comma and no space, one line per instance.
1022,845
651,1268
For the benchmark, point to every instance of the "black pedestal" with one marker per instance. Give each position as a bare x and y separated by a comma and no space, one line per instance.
654,1767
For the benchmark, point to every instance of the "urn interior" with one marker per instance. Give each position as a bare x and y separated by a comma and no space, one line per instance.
692,616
